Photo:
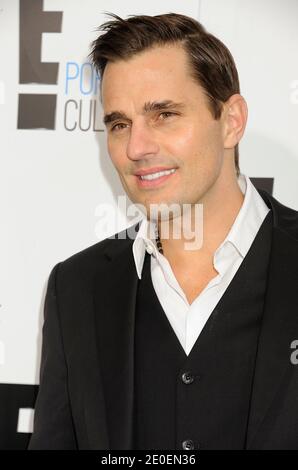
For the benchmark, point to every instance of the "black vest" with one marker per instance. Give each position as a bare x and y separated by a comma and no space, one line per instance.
200,401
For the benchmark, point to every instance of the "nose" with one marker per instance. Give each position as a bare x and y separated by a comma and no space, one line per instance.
142,142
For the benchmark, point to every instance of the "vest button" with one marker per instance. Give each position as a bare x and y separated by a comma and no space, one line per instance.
187,378
188,444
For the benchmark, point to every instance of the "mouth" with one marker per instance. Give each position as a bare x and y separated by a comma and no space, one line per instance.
152,180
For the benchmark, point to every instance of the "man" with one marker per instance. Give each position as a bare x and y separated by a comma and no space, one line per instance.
178,348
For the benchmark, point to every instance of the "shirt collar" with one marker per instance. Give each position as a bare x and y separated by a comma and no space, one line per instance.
240,236
249,218
145,239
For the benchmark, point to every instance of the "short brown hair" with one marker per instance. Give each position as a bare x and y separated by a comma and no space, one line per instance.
212,64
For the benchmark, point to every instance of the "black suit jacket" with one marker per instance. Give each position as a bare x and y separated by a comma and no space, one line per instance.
89,329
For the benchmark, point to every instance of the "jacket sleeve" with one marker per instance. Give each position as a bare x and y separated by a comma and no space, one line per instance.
53,425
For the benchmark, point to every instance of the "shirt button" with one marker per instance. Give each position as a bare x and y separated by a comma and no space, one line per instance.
149,249
187,378
188,444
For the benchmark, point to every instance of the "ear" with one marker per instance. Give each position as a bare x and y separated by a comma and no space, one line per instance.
235,118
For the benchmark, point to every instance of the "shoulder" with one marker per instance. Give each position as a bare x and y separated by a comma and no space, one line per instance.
84,264
284,218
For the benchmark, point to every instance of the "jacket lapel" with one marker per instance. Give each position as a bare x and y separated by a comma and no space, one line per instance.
280,320
115,295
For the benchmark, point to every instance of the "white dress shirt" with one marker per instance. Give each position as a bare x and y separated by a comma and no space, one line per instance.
188,320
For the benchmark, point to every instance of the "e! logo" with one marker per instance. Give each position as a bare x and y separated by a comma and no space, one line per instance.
36,110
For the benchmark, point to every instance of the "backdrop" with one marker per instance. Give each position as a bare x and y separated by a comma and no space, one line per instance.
55,171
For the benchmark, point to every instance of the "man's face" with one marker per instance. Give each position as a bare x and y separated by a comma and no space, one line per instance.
146,135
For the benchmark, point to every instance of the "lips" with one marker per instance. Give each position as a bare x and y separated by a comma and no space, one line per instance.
157,175
155,182
153,170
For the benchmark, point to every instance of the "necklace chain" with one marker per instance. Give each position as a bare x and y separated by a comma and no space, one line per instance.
158,242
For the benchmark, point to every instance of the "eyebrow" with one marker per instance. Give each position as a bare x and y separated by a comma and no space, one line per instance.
148,107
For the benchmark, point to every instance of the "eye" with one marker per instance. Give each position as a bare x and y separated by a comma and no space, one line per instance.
166,114
117,126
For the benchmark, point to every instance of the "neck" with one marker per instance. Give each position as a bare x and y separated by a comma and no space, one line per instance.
218,216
